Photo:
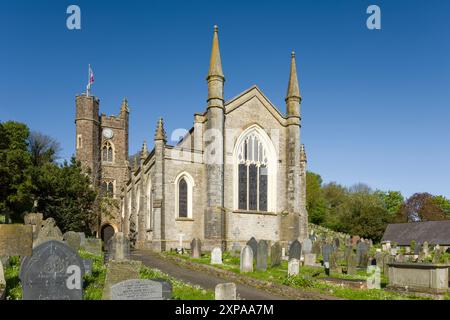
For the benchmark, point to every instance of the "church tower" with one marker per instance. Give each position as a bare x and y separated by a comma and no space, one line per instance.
214,145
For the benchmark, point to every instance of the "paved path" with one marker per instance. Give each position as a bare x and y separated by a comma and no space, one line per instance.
202,279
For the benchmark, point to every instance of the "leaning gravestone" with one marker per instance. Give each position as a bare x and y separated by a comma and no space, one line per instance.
254,245
49,231
225,291
196,248
295,250
293,267
119,247
93,246
53,272
137,289
246,263
16,240
216,256
262,255
72,239
118,271
307,246
275,254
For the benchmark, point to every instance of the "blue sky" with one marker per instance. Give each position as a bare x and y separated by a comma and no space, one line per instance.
376,103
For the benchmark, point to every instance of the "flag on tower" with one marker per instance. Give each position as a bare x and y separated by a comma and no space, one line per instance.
90,81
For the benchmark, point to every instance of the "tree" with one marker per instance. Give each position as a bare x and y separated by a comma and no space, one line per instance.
316,204
42,148
443,203
420,207
392,200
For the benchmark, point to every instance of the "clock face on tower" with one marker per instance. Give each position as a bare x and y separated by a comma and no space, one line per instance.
108,133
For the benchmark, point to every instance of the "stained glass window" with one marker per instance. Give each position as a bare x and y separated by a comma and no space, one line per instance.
242,186
182,199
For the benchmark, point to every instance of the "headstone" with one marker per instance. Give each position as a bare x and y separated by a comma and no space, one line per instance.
374,278
73,240
316,248
275,254
225,291
310,259
262,255
137,289
362,254
293,267
246,263
119,247
236,249
425,248
307,246
437,255
53,272
49,231
82,238
348,251
93,246
295,250
352,263
166,288
118,271
254,245
336,244
327,249
196,248
216,256
16,240
87,263
35,221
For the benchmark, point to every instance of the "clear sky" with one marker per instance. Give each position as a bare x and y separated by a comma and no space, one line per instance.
376,103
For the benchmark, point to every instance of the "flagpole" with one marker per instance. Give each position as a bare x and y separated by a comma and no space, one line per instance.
89,81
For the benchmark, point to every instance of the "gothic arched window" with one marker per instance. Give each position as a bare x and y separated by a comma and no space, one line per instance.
182,198
184,185
255,163
107,152
108,188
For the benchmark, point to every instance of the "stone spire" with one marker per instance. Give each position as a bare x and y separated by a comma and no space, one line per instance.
124,107
293,97
302,153
144,151
215,76
160,134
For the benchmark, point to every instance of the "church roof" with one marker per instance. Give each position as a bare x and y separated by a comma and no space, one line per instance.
434,232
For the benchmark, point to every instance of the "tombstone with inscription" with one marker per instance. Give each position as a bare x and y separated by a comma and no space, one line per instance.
295,250
246,263
293,267
53,272
307,246
225,291
137,289
119,247
72,239
254,245
216,256
275,254
262,255
196,248
49,231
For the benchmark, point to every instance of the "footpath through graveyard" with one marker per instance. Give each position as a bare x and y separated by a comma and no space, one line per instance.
208,279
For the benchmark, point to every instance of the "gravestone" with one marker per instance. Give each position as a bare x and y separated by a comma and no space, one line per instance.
437,255
93,246
73,240
307,246
316,248
246,263
196,248
16,240
82,238
118,247
262,255
362,254
236,249
137,289
336,244
166,288
254,245
348,251
53,272
118,271
295,250
310,259
35,221
216,256
275,254
293,267
327,249
374,278
49,231
425,248
352,263
225,291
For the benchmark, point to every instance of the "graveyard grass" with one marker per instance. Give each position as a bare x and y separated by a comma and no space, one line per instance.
307,280
13,286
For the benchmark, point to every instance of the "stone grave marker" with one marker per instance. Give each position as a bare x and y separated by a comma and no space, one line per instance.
93,246
327,249
225,291
73,240
293,267
236,249
35,221
310,259
196,248
275,254
425,248
137,289
374,278
348,251
166,288
254,245
16,240
307,246
362,254
118,271
82,238
352,264
262,255
295,250
119,247
53,272
336,244
246,263
216,256
316,248
49,231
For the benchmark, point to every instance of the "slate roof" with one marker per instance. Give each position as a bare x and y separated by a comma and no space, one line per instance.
434,232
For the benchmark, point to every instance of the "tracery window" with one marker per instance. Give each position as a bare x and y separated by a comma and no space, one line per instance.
107,152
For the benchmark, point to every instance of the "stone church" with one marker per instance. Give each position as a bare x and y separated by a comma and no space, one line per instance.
239,172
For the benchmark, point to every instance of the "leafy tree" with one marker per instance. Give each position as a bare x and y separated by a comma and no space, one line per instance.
420,207
392,200
316,204
443,203
42,148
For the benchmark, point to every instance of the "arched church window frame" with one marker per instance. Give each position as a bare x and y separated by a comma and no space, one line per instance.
255,172
181,179
108,152
149,204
